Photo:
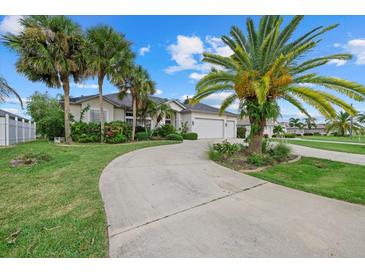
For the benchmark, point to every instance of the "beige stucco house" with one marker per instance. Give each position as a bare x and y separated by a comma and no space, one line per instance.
200,118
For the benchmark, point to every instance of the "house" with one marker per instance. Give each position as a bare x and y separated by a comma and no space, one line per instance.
245,122
318,129
15,129
200,118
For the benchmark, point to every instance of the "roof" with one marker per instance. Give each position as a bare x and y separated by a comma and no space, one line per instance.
126,102
200,107
3,113
114,99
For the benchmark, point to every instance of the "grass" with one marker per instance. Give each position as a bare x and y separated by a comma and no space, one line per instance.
327,178
54,209
350,148
354,139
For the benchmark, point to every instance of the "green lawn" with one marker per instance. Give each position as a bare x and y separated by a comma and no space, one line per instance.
56,205
350,148
327,178
354,139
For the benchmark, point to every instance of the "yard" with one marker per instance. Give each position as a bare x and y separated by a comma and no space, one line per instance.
327,178
350,148
354,139
54,209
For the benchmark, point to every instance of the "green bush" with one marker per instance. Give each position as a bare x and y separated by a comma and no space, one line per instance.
257,159
289,135
317,134
241,132
165,130
116,139
174,136
214,155
142,136
85,132
280,152
226,149
115,127
190,136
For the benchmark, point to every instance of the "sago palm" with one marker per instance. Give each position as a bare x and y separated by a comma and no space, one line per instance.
6,91
105,51
136,81
50,51
341,124
267,65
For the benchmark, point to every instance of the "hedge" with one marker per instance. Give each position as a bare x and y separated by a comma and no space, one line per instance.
190,136
174,136
142,136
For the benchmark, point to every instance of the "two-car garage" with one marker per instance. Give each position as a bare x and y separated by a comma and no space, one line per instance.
214,127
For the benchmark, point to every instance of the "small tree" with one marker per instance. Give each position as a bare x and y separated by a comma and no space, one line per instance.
342,124
295,122
278,130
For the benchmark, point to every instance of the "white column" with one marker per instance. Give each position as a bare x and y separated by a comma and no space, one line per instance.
34,130
30,130
7,135
178,119
16,130
224,128
23,135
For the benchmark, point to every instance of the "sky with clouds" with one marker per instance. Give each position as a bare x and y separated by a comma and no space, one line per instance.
171,47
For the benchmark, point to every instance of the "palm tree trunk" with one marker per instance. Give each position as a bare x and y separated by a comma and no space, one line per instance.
134,122
101,106
66,91
255,144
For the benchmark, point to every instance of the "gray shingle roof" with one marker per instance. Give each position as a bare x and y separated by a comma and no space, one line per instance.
200,107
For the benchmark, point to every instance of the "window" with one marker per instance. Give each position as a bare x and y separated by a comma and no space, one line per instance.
167,120
95,115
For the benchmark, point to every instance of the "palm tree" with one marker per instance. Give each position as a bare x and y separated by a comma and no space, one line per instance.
6,90
341,123
310,122
136,81
105,51
278,130
295,122
50,50
361,117
266,65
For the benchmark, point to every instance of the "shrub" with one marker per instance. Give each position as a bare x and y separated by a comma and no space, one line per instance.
140,129
298,134
280,152
317,134
174,136
289,135
142,136
266,135
85,132
274,136
241,132
308,134
226,149
266,145
116,139
257,159
190,136
165,130
214,155
184,127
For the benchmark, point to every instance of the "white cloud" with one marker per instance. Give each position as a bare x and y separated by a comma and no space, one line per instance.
338,62
196,76
184,52
12,110
337,45
144,50
217,46
83,85
10,24
357,48
13,100
158,92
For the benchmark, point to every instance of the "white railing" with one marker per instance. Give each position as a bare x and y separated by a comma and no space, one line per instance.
14,130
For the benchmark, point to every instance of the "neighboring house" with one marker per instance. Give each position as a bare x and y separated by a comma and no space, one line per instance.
245,122
200,118
318,129
15,129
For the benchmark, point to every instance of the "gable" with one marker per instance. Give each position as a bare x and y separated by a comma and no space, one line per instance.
175,106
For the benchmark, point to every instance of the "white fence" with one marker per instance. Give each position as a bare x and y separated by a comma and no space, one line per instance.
15,130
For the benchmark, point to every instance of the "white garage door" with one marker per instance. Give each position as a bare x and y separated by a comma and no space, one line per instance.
208,128
230,129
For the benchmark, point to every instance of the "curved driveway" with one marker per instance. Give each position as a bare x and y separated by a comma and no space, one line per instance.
171,201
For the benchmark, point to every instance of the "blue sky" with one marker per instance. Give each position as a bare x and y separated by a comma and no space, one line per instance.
170,48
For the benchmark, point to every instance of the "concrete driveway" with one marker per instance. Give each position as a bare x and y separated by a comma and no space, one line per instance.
171,201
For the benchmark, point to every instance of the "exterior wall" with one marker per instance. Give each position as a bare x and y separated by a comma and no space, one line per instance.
76,111
14,130
94,104
119,114
186,117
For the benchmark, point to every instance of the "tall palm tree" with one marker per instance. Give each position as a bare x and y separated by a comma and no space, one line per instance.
136,81
266,65
6,91
50,51
341,123
278,130
361,117
105,51
310,122
295,122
